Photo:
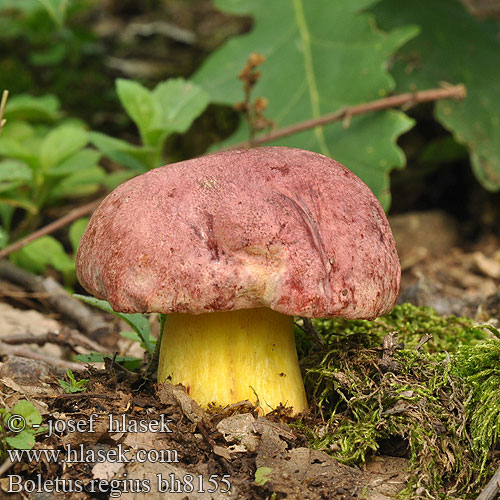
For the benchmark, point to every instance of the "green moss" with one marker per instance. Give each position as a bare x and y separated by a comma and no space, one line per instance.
411,323
479,368
427,404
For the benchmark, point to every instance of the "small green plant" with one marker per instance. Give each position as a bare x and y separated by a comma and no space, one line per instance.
58,46
19,426
73,385
141,333
261,475
43,163
171,107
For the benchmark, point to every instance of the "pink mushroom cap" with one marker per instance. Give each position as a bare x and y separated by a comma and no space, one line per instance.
273,227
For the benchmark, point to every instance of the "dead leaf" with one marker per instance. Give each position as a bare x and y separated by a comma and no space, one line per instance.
106,470
170,394
240,429
222,452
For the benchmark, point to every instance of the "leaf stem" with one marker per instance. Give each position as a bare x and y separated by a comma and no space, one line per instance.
50,228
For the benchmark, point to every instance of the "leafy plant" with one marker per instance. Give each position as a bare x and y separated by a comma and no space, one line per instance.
171,107
138,322
141,333
19,426
44,45
42,165
73,385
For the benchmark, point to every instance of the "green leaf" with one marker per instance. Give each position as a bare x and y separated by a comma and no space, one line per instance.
37,255
320,57
130,336
28,107
457,48
56,10
138,322
24,440
18,130
4,237
122,152
138,103
18,201
181,103
442,150
12,148
14,174
79,184
82,160
61,143
76,230
51,56
96,357
171,107
11,170
114,179
73,385
135,337
261,475
28,411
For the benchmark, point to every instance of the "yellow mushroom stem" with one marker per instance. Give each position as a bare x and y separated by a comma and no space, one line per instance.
226,357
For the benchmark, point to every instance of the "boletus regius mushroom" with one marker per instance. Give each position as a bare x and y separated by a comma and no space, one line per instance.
231,246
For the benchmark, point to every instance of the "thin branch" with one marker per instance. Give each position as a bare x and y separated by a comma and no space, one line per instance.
57,297
7,464
26,352
492,489
457,92
65,337
2,109
50,228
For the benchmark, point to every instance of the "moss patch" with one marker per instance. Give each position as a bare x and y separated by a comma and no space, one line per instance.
378,389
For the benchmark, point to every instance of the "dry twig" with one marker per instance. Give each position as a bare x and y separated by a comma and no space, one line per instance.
26,352
66,337
50,228
308,327
253,111
457,92
492,489
57,297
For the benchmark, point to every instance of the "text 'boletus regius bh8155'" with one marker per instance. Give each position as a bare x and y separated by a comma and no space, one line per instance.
231,246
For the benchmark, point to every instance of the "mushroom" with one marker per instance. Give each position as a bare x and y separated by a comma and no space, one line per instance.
231,246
